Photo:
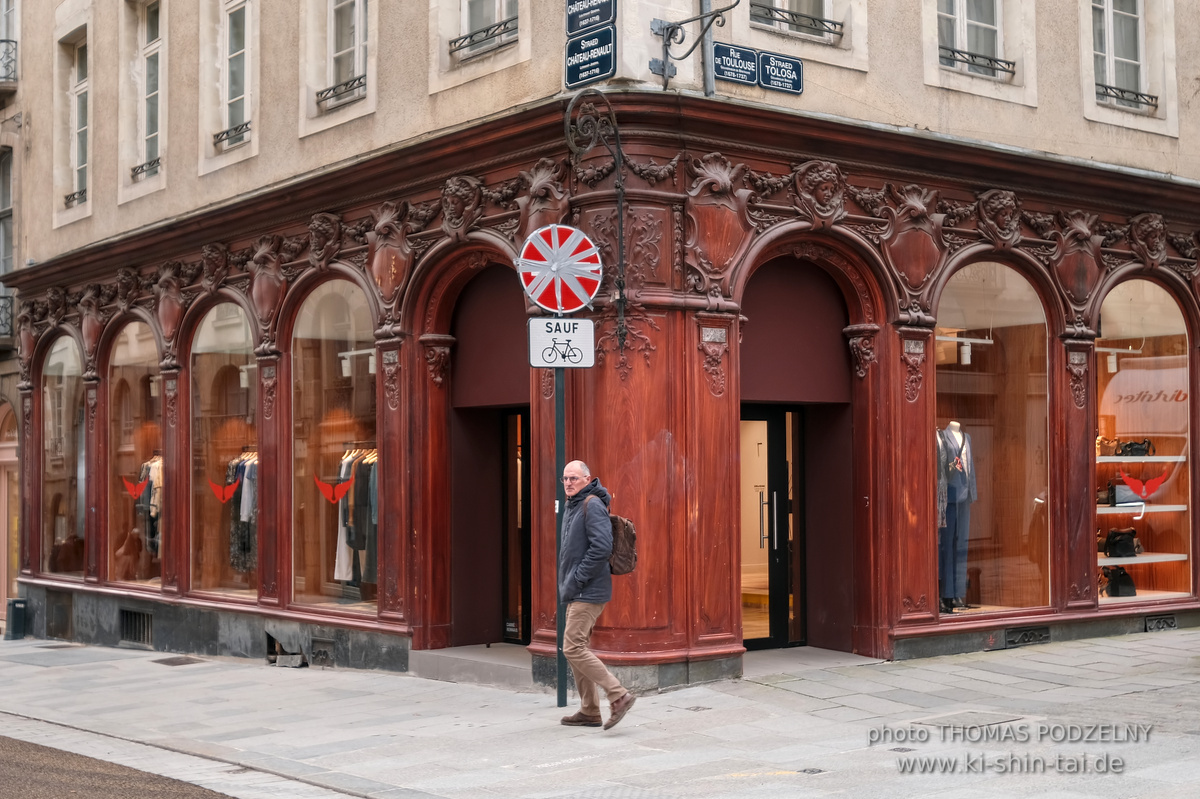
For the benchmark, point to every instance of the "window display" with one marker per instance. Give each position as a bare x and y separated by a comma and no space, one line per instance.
1143,516
136,478
224,454
64,475
335,474
991,443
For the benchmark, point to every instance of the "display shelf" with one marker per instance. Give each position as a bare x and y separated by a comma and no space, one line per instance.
1138,508
1145,557
1144,596
1141,459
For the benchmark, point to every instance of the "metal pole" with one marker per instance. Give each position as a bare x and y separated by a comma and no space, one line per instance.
706,56
560,507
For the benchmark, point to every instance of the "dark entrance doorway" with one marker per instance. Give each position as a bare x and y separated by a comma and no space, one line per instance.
490,570
797,536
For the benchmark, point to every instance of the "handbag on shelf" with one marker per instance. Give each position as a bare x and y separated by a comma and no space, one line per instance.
1121,543
1106,446
1120,583
1135,449
1107,495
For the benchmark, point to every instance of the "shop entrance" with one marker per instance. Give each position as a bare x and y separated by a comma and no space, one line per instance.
772,528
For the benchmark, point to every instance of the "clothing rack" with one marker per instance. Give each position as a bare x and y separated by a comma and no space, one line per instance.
365,444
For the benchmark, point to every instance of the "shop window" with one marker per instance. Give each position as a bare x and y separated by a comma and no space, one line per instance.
64,466
1143,518
225,485
136,513
334,490
991,443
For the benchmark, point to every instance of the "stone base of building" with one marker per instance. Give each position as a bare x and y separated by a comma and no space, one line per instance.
1028,634
651,677
131,622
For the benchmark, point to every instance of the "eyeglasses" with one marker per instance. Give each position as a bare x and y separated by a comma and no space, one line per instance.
572,479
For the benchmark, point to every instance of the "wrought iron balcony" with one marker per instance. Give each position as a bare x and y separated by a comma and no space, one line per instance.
771,15
76,198
346,90
1125,97
485,38
232,136
146,170
983,64
6,314
8,61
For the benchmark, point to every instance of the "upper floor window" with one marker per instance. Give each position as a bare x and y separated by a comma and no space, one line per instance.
6,212
347,43
969,37
235,83
796,16
8,40
150,42
1117,51
487,24
79,124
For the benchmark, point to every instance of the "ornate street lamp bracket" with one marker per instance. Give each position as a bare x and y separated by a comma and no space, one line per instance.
673,33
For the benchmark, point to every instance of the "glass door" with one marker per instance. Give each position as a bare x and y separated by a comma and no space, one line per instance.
517,544
772,575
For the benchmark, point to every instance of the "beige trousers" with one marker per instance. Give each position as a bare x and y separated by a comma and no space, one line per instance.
589,672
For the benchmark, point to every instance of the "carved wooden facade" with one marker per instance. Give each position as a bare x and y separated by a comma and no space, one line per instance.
712,193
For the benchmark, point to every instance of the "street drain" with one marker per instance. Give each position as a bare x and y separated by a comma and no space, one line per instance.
182,660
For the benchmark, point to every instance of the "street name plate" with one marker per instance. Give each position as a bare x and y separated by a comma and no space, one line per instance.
584,14
781,73
592,56
735,64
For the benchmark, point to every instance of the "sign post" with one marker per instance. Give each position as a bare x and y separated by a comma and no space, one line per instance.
560,271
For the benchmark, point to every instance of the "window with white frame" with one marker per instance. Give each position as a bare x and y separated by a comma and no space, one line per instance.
347,45
6,211
150,44
486,25
1117,47
79,124
235,77
970,37
796,16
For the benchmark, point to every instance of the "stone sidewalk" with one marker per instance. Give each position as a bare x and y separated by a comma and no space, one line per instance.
1055,720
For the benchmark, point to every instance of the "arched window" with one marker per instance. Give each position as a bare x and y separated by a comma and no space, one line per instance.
991,442
225,487
136,511
64,467
334,494
1143,453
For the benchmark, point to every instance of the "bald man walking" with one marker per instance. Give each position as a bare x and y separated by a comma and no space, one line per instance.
585,587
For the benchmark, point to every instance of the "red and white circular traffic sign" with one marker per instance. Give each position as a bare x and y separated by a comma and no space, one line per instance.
560,268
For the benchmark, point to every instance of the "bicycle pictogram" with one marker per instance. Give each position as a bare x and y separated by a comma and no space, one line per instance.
562,349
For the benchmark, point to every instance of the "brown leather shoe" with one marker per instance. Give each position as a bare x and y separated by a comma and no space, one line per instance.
578,719
619,709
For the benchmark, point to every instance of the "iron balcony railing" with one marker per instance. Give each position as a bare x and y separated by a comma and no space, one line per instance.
355,86
231,136
1126,97
490,36
986,64
75,198
771,15
6,315
8,59
146,170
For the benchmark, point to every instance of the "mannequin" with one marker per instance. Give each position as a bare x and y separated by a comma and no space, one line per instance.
956,491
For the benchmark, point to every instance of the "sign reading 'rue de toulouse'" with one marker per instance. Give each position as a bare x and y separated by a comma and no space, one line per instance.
748,66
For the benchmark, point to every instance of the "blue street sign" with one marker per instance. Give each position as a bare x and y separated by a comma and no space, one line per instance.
592,57
781,73
584,14
736,64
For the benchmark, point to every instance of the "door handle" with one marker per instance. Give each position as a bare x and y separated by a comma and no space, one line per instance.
762,528
775,518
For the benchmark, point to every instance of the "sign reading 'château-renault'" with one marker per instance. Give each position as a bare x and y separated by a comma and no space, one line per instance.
748,66
584,14
592,56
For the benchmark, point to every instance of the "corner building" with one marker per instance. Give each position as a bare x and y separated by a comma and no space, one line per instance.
892,354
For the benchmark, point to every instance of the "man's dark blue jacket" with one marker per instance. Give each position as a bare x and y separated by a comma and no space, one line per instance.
583,574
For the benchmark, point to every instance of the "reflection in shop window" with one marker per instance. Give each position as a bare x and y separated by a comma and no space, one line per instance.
335,505
1143,518
225,487
991,443
64,476
136,512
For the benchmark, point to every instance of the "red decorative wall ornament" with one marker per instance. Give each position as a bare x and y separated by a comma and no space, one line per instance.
389,255
224,493
912,244
135,490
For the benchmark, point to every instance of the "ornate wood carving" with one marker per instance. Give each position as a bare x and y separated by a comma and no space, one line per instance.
820,192
545,201
861,339
462,206
1080,593
547,384
437,356
169,307
1148,239
913,358
270,384
653,172
999,218
921,605
324,239
912,243
171,396
391,378
713,343
389,254
91,405
809,250
1076,258
1077,368
267,286
719,224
